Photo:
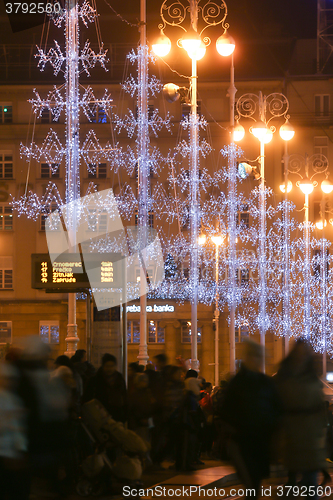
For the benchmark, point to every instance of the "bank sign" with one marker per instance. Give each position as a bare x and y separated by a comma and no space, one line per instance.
155,308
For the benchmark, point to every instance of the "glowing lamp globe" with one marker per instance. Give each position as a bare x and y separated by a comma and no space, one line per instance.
289,187
286,131
217,240
259,130
162,45
268,137
321,224
225,45
202,239
326,186
238,132
306,186
193,45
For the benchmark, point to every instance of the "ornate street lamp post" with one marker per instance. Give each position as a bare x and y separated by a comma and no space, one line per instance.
318,164
263,109
193,17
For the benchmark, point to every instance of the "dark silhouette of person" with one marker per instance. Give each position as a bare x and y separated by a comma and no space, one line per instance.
109,387
251,411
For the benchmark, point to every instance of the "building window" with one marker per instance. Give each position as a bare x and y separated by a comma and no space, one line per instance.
321,146
151,109
97,171
6,273
55,223
97,114
6,113
49,332
47,171
241,333
6,218
6,165
243,217
6,279
242,276
138,275
186,332
150,218
318,262
322,106
186,110
136,172
155,332
133,332
45,116
5,332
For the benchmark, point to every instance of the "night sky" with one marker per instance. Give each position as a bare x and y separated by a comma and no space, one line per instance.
264,31
248,19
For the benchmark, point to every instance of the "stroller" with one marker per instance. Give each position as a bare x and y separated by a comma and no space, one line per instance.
113,453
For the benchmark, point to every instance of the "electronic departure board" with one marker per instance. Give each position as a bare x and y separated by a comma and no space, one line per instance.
71,272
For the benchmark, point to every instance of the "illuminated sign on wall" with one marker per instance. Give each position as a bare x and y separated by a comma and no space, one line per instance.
154,308
69,273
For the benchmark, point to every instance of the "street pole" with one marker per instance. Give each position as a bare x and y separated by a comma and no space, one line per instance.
194,183
72,156
217,315
143,175
307,276
286,324
232,220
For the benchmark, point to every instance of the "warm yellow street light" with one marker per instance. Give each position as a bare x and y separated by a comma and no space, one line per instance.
225,45
283,187
217,240
286,131
306,185
162,45
326,186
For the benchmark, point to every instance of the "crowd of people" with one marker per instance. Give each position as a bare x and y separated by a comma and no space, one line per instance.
250,419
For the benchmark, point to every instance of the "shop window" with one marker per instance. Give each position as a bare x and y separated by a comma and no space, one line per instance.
5,332
186,332
155,332
6,165
133,332
49,331
6,217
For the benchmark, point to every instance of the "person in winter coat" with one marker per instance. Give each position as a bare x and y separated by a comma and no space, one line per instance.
304,421
109,387
251,411
188,426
